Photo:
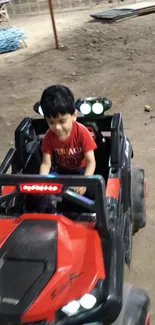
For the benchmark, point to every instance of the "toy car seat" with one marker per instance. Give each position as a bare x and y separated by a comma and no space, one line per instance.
102,152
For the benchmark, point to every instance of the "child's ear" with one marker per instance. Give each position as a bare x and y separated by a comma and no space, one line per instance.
74,116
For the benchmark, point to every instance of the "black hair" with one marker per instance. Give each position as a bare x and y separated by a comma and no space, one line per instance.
57,99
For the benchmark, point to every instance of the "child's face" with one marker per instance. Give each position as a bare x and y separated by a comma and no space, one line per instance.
61,125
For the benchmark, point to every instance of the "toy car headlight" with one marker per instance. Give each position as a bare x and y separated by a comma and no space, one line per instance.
40,111
93,106
88,301
71,308
97,108
88,107
85,108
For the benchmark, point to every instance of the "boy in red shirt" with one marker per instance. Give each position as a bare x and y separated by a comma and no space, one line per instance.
67,141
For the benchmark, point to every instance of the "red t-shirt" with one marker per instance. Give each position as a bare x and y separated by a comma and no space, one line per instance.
69,154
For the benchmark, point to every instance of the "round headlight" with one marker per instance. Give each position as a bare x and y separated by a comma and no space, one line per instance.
97,108
88,301
71,308
85,108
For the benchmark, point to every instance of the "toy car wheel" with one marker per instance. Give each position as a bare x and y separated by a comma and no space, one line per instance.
135,309
138,204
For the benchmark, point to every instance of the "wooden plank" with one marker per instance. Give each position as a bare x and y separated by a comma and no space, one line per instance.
124,12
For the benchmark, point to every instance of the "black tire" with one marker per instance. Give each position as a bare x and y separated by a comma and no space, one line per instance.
128,242
135,309
138,199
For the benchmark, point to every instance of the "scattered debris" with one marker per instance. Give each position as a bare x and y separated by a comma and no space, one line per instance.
71,58
147,108
64,47
74,73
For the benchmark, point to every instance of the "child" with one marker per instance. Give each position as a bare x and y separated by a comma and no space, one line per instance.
67,142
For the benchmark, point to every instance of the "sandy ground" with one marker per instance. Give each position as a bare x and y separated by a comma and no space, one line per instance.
115,60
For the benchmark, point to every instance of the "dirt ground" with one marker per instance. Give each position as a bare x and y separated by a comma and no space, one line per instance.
115,60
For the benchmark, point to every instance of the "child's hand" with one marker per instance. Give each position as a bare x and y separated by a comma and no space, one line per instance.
80,190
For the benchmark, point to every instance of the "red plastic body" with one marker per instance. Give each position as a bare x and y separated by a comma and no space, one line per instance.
79,264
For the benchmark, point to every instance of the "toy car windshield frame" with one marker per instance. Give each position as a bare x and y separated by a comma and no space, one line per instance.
98,205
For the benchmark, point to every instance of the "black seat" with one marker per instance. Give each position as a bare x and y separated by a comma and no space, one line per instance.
102,153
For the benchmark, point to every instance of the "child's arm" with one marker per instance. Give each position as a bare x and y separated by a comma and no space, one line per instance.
90,163
46,164
90,168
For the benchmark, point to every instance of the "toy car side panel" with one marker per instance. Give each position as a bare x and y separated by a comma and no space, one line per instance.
126,173
117,134
27,144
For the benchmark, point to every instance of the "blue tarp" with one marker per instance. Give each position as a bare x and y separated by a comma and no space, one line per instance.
9,39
